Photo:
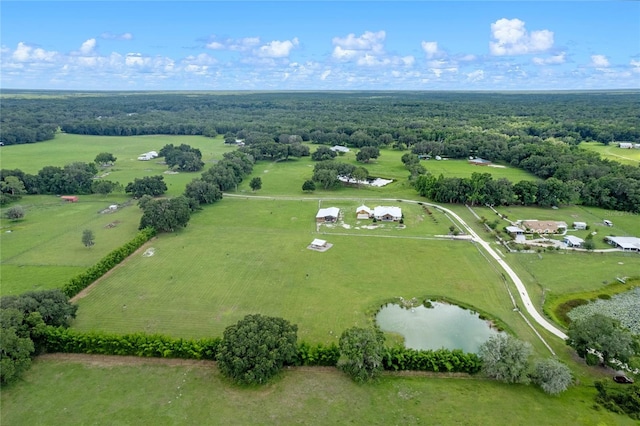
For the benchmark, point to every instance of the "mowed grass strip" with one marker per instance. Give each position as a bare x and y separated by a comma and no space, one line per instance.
109,393
247,256
461,168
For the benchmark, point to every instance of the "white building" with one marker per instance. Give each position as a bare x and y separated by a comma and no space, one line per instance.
572,241
387,213
363,212
580,225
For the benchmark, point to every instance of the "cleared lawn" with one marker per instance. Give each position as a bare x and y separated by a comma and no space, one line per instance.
462,168
613,152
44,250
197,394
245,256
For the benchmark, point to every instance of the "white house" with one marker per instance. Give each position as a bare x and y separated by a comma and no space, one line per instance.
572,241
363,212
580,225
624,243
387,213
329,214
625,145
517,233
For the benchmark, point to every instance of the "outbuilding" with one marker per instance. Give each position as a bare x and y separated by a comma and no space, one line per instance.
329,214
580,225
363,212
572,241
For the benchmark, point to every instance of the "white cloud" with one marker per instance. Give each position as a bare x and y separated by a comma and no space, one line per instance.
476,75
551,60
430,48
512,38
635,66
26,53
599,61
88,47
236,45
277,49
325,74
352,47
111,36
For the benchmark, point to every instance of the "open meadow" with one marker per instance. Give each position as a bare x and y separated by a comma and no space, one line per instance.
614,152
109,391
248,253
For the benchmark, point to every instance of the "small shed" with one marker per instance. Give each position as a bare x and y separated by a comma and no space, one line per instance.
70,198
607,222
318,243
580,225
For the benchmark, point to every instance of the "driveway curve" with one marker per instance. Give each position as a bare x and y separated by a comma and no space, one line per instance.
522,291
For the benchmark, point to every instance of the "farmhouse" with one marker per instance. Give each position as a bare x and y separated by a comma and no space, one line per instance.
363,212
580,225
572,241
338,148
624,243
69,198
387,213
544,226
479,161
329,214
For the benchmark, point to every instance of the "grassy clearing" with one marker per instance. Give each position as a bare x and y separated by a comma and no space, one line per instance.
197,394
44,249
613,152
462,168
245,256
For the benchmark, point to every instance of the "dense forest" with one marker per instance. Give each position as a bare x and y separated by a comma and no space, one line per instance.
539,132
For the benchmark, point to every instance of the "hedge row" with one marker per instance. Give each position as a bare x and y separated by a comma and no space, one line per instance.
441,360
83,280
58,339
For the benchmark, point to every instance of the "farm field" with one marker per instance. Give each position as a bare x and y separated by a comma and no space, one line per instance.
44,250
245,256
197,394
461,168
613,152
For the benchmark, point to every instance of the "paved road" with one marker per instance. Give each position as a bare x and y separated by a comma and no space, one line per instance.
522,291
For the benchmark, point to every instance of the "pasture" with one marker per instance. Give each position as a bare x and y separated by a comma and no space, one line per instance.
111,391
461,168
613,152
44,250
242,256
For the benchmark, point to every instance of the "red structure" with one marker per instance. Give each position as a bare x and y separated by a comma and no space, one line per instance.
70,198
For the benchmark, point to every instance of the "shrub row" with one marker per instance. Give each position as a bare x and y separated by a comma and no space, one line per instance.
58,339
441,360
83,280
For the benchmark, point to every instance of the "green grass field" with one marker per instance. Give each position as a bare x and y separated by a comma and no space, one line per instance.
249,255
72,393
243,256
44,250
613,152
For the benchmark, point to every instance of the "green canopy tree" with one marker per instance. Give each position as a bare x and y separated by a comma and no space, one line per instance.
361,352
505,358
256,348
603,335
552,376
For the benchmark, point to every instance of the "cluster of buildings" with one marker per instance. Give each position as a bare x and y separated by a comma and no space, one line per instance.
148,156
546,227
628,145
381,213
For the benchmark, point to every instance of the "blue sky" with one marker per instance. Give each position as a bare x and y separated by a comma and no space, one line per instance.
329,45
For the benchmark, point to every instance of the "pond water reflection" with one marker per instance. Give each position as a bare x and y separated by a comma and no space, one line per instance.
441,326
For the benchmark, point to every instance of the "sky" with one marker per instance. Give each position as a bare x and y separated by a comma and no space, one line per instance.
319,45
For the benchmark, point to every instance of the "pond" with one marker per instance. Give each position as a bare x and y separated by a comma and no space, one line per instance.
441,326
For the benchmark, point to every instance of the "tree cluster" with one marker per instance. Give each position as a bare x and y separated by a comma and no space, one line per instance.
183,157
164,214
148,185
599,339
256,348
22,321
74,178
227,173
